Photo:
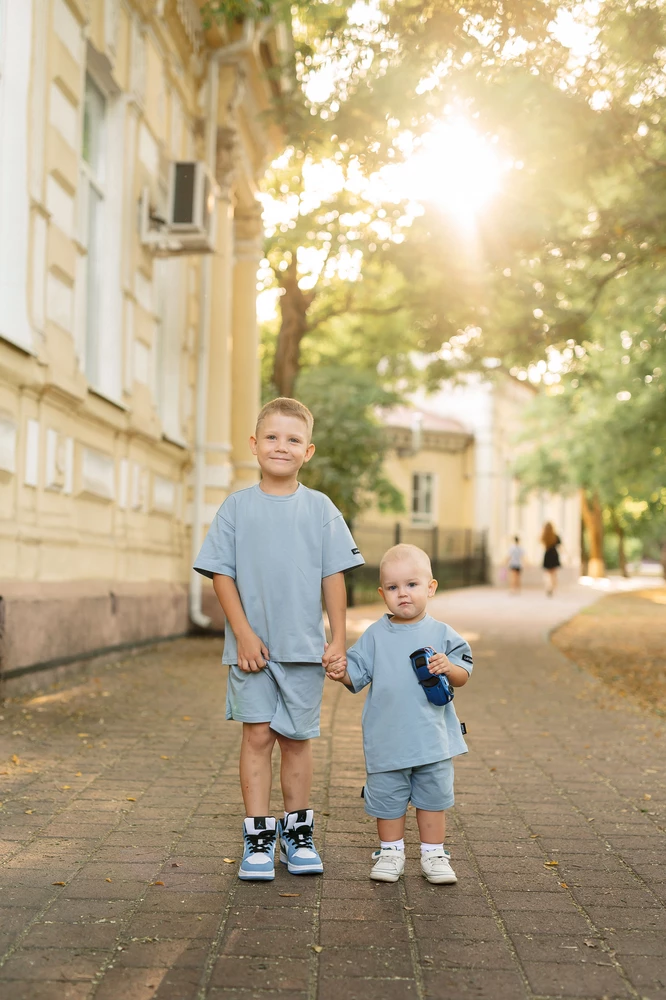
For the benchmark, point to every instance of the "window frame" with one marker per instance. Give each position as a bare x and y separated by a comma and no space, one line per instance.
427,496
92,178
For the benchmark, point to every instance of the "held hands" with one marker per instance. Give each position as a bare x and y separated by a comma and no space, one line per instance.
334,661
252,653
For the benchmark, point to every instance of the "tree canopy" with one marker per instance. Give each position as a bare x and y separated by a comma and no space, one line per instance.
561,280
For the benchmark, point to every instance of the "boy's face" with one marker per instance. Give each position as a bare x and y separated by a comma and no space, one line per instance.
281,445
406,587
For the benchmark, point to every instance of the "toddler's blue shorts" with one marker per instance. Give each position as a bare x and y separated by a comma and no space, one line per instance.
288,695
428,786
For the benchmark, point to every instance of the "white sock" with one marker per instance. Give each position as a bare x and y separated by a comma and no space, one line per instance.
431,847
396,845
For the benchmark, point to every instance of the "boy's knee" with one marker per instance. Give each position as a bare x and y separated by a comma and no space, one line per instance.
258,735
290,746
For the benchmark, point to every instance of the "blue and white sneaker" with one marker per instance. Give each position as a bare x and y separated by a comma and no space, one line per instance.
260,838
297,851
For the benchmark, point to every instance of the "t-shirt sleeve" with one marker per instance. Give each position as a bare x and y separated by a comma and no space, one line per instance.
360,663
458,651
218,552
339,550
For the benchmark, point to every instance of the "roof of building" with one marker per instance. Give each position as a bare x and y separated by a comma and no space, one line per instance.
407,416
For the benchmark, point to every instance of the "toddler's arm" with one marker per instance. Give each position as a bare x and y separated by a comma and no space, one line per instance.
335,599
439,664
252,652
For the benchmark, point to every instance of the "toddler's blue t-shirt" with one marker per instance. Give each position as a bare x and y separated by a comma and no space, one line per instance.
401,728
278,549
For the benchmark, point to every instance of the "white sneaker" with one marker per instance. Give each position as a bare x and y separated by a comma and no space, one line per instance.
389,864
436,867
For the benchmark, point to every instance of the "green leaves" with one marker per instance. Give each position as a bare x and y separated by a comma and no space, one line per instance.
350,441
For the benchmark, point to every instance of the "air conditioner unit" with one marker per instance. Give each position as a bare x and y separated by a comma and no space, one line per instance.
189,223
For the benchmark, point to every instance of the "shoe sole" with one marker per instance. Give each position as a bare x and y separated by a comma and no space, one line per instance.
380,877
258,877
440,879
301,869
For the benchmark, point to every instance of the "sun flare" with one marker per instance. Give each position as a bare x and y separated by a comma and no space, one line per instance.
454,168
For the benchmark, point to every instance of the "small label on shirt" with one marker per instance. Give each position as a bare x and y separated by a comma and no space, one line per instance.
467,659
463,728
356,552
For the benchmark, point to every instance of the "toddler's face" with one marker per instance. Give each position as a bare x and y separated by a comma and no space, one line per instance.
406,587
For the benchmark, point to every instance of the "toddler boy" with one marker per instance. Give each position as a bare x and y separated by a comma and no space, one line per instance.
270,551
408,741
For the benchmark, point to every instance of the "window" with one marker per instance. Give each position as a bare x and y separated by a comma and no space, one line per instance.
91,219
423,493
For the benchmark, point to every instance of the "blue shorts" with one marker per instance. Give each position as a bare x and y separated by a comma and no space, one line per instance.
287,695
429,786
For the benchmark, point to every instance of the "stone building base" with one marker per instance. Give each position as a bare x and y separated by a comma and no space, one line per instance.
46,627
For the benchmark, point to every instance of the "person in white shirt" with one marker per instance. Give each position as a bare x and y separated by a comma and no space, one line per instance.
515,565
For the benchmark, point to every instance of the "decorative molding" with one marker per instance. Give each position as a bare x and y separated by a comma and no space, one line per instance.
31,473
164,495
7,444
190,18
98,474
111,25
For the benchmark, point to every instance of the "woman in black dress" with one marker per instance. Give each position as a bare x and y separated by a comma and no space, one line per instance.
551,558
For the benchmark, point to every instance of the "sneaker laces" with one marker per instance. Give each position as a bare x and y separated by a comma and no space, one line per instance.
299,836
258,842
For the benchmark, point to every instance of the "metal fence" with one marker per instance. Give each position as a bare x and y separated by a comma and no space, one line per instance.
458,556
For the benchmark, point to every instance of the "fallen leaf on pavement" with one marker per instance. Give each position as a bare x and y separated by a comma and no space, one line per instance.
408,907
130,798
564,885
289,894
82,735
175,864
157,883
229,861
78,774
163,756
58,883
108,880
187,718
15,759
590,942
317,948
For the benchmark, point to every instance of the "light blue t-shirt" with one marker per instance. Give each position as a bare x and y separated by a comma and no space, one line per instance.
401,728
278,549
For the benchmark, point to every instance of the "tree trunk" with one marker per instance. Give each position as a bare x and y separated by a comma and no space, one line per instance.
584,555
591,511
294,305
621,554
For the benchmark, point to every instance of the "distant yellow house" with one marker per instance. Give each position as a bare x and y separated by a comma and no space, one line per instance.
452,456
131,145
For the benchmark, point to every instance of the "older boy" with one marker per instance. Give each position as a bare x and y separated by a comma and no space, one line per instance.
270,551
408,741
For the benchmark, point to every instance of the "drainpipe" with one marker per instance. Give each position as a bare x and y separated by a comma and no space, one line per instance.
232,53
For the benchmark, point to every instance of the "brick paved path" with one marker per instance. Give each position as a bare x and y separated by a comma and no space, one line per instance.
121,805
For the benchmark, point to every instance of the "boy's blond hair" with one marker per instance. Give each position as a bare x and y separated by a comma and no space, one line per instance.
405,551
290,408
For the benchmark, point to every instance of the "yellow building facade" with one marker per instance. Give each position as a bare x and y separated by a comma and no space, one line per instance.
131,145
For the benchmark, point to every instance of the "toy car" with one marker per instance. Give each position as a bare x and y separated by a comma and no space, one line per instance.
436,686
